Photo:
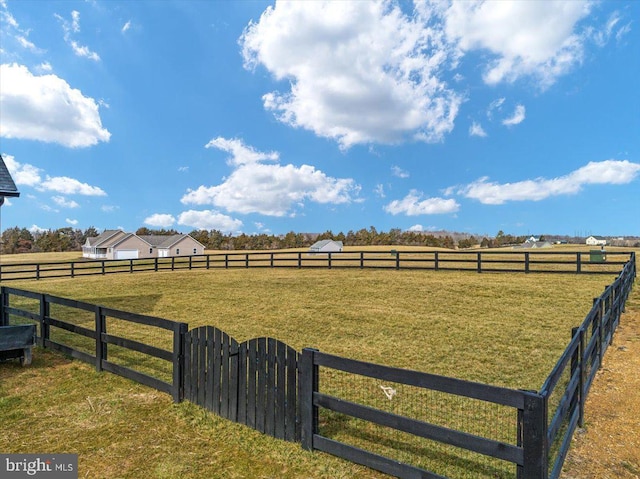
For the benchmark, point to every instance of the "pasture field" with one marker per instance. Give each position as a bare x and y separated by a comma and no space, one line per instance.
41,257
501,329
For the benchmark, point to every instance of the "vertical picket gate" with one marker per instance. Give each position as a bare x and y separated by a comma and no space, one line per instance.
253,383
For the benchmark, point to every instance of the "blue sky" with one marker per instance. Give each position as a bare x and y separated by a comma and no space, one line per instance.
308,116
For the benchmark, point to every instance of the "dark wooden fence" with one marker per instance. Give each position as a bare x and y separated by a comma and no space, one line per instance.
526,450
567,386
254,383
266,385
100,336
581,262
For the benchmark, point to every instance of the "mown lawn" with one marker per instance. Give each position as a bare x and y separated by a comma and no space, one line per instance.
502,329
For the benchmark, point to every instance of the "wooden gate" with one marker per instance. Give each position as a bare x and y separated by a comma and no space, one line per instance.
211,371
253,383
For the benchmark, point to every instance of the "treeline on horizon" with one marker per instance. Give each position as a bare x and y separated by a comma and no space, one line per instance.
21,240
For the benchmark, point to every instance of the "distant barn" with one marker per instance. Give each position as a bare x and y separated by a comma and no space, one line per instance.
596,241
326,246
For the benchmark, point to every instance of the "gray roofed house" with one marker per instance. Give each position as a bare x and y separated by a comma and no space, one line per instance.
97,247
174,245
7,186
160,241
116,244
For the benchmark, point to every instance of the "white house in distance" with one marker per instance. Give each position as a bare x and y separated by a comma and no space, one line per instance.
326,246
116,244
596,241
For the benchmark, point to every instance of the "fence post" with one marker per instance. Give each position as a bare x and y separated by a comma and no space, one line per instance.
361,259
329,260
616,305
578,263
3,303
436,261
179,332
38,271
604,312
101,347
526,262
582,362
299,260
479,262
271,259
246,260
594,328
72,270
44,322
577,364
307,385
397,259
534,437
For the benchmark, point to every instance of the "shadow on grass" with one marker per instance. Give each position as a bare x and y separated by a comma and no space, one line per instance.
427,454
141,304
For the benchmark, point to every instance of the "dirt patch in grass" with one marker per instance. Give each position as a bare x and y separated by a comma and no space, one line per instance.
609,445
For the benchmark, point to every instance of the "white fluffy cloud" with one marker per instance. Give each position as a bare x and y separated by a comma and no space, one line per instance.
399,172
64,203
70,28
526,38
419,228
268,189
36,229
476,130
160,220
70,186
604,172
414,205
360,72
209,220
241,154
517,117
11,29
29,175
22,174
367,72
46,108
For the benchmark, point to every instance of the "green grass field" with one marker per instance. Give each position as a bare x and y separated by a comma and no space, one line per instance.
501,329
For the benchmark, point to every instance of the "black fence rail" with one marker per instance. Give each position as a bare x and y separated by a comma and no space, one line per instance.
580,262
525,449
568,385
62,335
268,386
